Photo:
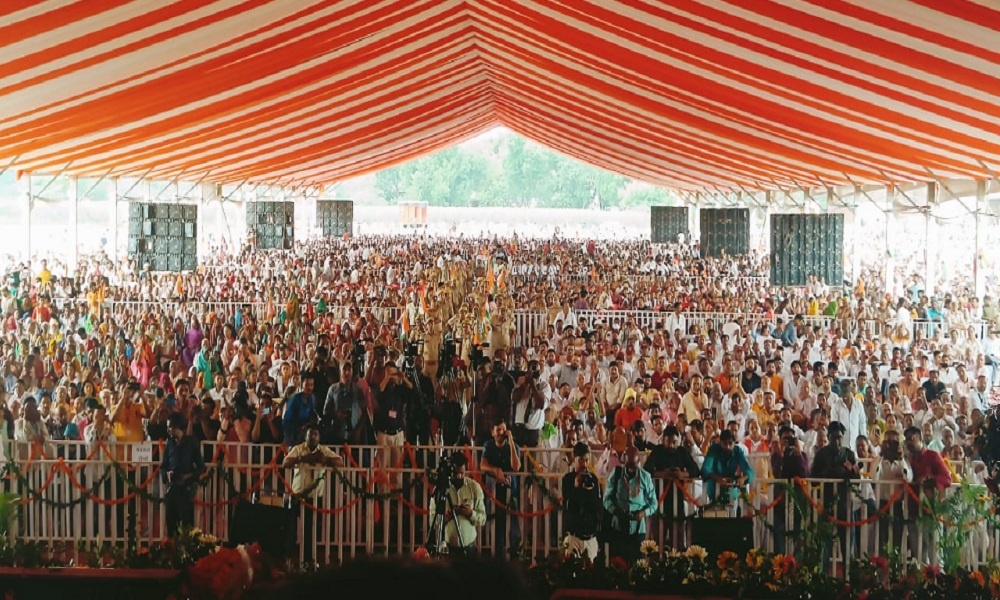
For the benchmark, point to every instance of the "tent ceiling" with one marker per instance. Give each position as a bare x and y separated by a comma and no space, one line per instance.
691,94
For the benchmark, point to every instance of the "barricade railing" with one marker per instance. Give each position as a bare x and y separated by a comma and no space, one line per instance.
113,494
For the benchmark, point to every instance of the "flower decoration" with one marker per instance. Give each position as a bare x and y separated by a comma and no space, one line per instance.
649,547
696,552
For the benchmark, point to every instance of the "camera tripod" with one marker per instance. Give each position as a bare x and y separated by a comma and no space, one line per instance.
436,544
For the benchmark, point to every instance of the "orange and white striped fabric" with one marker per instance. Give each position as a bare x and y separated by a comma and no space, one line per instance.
691,94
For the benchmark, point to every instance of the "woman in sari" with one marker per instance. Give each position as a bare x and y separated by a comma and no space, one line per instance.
192,343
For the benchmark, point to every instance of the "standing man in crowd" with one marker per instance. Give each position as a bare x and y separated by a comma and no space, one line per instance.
182,465
630,497
300,411
308,458
582,505
501,457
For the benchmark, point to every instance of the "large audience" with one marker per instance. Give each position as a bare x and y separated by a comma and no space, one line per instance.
109,351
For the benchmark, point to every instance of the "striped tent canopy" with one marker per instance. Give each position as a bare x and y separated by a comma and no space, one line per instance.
690,94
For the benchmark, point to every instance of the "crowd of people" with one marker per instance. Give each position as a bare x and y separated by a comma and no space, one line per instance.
307,353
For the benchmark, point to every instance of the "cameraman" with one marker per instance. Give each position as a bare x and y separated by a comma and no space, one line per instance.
493,395
419,410
466,497
530,397
788,461
582,506
394,393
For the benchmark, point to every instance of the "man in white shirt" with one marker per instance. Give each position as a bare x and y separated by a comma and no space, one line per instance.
979,397
613,389
792,386
530,398
850,412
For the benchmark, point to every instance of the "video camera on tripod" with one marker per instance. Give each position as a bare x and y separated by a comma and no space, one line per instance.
447,356
358,353
410,353
477,357
436,543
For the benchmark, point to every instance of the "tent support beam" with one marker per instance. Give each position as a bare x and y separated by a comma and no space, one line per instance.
51,181
171,182
137,182
194,186
10,164
945,187
238,188
94,187
859,189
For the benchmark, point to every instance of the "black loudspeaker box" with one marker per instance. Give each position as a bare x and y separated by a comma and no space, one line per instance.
716,535
273,527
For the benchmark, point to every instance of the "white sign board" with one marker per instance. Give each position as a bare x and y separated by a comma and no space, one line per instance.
142,452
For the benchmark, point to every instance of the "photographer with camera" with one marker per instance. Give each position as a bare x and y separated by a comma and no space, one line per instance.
463,505
394,393
582,507
493,397
788,461
529,397
422,405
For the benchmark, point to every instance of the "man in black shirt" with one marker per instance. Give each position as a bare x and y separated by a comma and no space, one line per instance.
501,458
835,461
787,462
750,381
421,405
582,505
325,373
182,465
395,392
674,463
933,386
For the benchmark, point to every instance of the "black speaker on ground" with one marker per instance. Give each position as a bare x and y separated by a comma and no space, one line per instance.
716,535
335,217
724,231
157,234
804,245
272,224
666,223
273,527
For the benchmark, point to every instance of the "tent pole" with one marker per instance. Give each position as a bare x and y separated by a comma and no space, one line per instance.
114,220
74,219
27,228
977,273
890,203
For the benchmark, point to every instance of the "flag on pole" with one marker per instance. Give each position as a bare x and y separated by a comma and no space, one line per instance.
404,325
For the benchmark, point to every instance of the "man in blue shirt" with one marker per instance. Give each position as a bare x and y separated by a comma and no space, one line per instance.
301,410
726,468
630,497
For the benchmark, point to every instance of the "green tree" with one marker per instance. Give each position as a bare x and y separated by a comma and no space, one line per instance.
648,196
390,184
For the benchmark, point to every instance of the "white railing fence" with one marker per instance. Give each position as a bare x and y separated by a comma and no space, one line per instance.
363,509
